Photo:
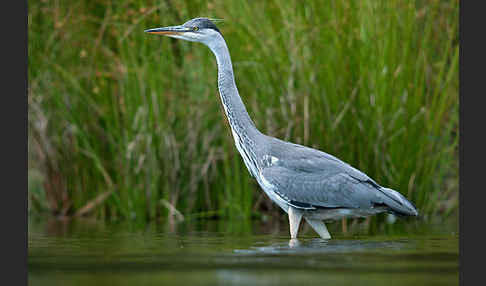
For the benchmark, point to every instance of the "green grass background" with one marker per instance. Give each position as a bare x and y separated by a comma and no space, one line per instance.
127,125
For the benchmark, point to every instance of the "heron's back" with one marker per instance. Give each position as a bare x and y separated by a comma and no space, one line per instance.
310,179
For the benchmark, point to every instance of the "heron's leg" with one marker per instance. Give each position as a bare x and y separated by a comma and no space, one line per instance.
319,227
294,242
295,217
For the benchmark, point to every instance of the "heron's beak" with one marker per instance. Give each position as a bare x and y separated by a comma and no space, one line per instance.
172,30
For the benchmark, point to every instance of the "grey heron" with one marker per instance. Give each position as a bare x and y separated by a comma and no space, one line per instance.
304,182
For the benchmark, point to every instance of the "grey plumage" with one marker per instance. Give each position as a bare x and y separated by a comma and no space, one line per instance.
304,182
308,179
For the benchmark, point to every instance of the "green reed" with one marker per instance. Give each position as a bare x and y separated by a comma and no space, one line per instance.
125,124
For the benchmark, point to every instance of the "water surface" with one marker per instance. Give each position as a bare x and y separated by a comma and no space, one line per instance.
87,252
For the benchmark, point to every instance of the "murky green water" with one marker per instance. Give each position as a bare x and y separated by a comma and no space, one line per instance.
236,253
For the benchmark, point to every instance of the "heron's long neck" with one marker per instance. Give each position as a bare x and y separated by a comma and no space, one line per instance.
238,118
235,110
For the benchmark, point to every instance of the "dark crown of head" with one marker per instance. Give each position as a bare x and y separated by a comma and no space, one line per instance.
202,23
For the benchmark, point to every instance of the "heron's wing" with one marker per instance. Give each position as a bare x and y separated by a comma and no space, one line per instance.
305,159
308,177
309,190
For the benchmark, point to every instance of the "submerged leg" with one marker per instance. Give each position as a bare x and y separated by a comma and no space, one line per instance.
319,227
294,220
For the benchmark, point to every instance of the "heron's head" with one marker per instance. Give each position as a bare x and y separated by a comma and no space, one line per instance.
195,30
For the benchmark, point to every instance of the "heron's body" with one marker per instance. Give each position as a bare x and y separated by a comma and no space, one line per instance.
304,182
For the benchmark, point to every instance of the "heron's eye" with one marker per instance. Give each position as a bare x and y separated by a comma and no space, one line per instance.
195,28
